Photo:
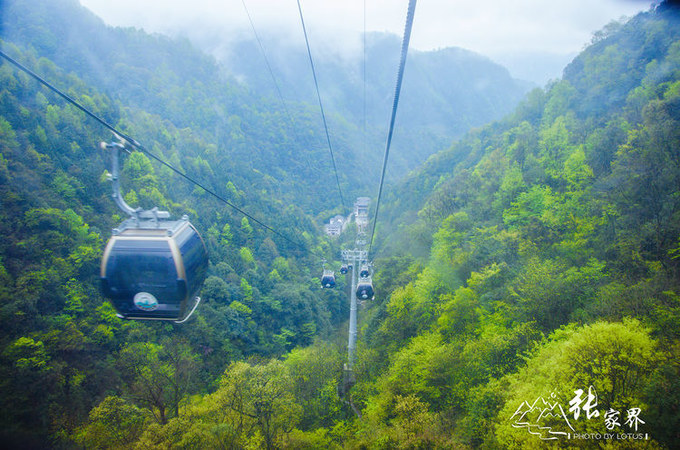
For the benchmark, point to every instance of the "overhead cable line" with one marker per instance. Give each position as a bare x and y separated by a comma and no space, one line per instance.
293,126
364,79
141,148
318,95
264,55
395,105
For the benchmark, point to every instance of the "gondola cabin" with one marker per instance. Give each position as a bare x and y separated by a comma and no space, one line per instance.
344,269
153,269
328,279
363,272
365,289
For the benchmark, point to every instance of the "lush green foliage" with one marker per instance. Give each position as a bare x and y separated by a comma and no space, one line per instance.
538,256
63,349
469,90
564,214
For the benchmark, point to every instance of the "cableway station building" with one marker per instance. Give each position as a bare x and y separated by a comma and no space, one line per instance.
338,224
361,213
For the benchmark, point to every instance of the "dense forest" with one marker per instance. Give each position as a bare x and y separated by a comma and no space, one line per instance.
468,91
527,278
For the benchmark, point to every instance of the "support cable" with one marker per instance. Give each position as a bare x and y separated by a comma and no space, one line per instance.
266,60
279,93
364,79
141,148
395,105
323,115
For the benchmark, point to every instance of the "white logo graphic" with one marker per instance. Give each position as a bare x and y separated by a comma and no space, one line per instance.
543,416
145,301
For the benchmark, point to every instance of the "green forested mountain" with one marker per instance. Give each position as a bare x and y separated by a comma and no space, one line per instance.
63,349
169,77
446,92
536,257
172,80
553,262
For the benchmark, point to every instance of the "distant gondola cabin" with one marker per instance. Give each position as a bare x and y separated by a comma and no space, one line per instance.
328,279
364,272
365,289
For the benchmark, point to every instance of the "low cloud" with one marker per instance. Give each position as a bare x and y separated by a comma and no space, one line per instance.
495,28
487,27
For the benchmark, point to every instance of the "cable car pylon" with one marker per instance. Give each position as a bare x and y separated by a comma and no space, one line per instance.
353,260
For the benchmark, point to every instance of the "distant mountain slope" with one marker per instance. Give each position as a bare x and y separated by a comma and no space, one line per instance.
62,348
249,136
538,256
445,92
611,78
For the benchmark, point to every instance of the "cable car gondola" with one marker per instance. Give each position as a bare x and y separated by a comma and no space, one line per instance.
365,289
154,271
328,279
152,268
344,269
364,272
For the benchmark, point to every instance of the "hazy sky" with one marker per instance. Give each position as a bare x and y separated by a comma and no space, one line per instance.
495,28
